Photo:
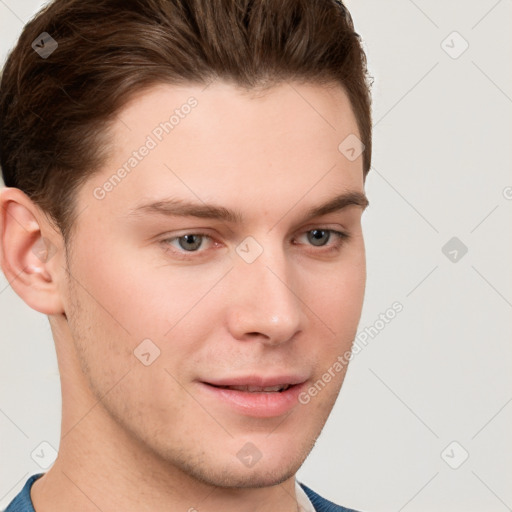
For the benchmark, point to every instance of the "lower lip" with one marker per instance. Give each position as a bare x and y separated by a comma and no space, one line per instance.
259,405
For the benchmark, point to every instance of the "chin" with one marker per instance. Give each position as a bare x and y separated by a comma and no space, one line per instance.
227,471
244,478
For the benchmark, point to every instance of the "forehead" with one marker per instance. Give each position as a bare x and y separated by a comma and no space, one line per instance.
228,145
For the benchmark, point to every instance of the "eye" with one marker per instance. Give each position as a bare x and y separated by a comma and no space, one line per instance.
190,242
319,237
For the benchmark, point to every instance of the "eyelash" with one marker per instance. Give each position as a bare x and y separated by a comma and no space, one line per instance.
341,238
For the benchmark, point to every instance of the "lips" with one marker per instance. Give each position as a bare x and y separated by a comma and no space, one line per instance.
256,396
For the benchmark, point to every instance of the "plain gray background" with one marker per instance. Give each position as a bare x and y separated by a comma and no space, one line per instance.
424,418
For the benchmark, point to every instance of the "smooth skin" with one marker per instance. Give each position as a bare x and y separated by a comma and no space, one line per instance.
137,437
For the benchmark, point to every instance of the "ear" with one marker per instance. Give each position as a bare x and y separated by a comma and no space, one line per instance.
30,252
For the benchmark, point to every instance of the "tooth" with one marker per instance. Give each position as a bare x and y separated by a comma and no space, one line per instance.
274,388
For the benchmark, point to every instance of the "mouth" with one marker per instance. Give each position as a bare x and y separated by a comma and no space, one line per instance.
256,397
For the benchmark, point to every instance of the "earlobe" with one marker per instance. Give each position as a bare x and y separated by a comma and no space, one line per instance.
27,257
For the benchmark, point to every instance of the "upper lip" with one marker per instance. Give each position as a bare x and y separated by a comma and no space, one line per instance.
258,380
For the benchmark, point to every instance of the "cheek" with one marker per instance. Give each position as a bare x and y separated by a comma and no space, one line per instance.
105,311
107,337
131,296
336,297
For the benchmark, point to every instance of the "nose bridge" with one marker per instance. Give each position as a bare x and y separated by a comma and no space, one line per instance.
265,302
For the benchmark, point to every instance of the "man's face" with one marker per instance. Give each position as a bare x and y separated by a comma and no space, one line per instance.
162,308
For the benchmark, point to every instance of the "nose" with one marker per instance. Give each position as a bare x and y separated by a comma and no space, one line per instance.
264,301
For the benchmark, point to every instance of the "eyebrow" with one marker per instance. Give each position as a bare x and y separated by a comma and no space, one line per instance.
174,207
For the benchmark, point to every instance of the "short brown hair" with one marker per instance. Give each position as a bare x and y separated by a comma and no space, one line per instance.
55,111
